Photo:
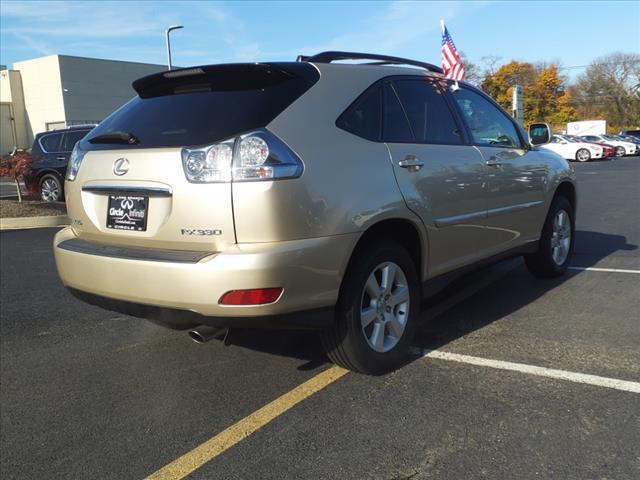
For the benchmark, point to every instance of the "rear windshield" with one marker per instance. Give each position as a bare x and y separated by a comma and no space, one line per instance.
174,112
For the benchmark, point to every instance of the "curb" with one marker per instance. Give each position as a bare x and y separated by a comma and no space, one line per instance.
18,223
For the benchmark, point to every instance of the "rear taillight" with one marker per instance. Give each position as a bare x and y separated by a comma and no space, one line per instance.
75,160
258,155
254,296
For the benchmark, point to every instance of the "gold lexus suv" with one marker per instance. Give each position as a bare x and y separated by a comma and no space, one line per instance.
311,194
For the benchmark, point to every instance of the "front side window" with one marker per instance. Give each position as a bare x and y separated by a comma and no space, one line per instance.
428,113
488,125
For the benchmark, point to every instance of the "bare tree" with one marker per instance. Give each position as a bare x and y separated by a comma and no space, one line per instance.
606,90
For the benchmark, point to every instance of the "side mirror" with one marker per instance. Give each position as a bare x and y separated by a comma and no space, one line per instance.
539,133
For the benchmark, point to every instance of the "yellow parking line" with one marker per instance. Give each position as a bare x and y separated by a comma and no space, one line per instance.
207,451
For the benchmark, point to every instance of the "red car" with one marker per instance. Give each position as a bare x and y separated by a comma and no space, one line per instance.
609,150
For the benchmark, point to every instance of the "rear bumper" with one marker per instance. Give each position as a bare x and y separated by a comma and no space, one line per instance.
309,271
176,319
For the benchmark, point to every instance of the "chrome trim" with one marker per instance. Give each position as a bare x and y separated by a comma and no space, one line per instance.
493,212
118,190
131,253
455,219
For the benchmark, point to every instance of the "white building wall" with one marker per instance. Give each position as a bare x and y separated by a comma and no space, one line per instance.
42,89
14,120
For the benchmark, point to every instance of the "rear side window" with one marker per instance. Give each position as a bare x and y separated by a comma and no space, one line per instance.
488,124
363,118
204,105
430,118
71,138
396,125
51,142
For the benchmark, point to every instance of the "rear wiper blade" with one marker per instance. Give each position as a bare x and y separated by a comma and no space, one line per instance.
116,137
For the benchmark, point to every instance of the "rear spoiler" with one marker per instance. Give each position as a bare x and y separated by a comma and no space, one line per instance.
223,77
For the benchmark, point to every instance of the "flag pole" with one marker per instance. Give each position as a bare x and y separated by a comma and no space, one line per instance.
442,25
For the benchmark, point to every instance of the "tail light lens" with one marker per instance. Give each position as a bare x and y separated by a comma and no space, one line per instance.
255,296
254,156
75,160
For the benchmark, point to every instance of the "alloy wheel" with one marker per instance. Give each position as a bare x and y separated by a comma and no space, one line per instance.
560,237
50,190
384,307
583,155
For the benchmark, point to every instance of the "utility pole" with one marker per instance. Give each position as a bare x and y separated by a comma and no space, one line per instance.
168,31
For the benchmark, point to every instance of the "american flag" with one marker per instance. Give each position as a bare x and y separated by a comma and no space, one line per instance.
451,63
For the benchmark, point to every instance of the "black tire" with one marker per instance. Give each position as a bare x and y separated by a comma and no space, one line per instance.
583,155
51,188
620,152
542,263
345,342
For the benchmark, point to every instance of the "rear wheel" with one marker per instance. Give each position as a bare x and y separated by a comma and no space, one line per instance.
620,151
376,312
50,188
556,241
583,155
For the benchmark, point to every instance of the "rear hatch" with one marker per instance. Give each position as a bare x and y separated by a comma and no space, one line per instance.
131,186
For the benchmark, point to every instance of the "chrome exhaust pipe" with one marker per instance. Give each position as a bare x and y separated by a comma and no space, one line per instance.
204,333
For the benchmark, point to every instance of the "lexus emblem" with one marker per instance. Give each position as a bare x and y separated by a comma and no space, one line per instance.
121,166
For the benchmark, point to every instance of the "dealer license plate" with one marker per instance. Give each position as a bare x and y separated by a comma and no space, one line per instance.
127,212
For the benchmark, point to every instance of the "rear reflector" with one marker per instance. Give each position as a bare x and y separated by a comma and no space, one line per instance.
256,296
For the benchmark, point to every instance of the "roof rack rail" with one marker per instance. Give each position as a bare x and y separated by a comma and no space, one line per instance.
328,57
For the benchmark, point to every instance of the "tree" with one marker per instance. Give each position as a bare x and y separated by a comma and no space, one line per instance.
499,84
472,73
16,166
606,90
548,99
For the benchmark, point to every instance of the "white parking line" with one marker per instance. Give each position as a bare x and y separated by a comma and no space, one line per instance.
596,380
612,270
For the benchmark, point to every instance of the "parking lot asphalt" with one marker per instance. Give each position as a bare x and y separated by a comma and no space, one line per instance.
87,393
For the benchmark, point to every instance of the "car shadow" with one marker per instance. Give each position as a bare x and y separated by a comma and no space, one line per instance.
495,292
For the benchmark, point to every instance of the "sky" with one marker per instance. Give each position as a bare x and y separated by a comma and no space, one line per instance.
570,32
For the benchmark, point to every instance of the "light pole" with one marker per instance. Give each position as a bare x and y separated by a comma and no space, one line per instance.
168,31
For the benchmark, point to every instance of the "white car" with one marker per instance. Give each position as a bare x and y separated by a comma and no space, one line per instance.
622,147
572,149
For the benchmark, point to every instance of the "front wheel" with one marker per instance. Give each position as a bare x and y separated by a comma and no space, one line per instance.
377,311
620,152
556,241
583,155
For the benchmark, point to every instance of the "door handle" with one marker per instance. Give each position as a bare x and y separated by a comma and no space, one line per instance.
493,161
61,158
411,163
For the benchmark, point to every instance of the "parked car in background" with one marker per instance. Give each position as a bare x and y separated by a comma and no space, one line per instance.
608,150
629,138
571,149
50,153
622,147
634,133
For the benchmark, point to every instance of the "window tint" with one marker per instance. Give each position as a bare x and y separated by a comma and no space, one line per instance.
51,143
70,139
488,125
429,116
396,127
363,118
200,114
